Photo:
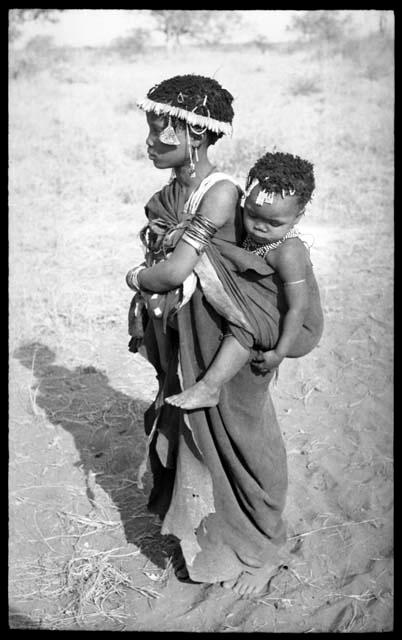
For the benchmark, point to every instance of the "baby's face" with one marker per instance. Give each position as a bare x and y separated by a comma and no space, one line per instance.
270,222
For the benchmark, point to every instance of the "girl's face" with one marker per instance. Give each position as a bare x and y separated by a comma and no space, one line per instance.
270,222
165,156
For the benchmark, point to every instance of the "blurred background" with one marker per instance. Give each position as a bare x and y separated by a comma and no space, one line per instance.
319,84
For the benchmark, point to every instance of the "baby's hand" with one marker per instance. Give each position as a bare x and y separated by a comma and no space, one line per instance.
265,361
271,359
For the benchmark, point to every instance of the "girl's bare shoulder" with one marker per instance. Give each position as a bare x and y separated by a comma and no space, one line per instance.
224,191
220,201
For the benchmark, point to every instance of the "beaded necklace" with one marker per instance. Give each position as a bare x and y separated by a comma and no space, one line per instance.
262,249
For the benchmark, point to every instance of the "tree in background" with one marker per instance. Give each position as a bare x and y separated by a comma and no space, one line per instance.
16,17
262,43
203,26
384,21
318,25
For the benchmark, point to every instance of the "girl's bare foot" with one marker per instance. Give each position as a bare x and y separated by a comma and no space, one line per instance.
252,583
196,397
182,573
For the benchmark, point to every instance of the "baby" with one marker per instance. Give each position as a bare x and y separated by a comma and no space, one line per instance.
278,188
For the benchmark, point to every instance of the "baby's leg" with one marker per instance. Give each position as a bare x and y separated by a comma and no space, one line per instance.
307,338
231,357
303,344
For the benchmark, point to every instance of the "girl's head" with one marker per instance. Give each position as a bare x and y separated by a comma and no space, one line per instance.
278,187
185,113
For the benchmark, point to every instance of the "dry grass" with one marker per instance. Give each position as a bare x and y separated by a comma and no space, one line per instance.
83,589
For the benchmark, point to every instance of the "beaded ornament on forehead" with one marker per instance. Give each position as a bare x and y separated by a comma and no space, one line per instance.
266,196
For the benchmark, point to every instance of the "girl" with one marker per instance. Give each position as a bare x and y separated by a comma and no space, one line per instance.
219,473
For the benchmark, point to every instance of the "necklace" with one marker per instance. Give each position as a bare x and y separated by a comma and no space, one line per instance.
262,249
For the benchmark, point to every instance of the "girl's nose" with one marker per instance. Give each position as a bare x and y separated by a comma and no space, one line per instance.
149,140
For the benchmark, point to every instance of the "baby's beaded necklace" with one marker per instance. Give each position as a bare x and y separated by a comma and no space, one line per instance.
262,249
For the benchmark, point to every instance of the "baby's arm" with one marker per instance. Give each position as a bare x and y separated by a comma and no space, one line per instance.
218,206
289,261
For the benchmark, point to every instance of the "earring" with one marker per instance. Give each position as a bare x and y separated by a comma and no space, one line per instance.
190,152
168,135
196,154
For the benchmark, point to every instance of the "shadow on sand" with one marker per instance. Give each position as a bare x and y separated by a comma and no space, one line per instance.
18,620
107,427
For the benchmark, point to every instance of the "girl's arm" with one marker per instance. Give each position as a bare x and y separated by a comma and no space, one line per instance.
290,264
218,206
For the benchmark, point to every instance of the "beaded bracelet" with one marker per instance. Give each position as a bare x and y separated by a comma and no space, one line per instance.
199,232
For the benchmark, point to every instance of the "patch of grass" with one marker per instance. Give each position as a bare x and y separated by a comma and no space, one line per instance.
305,86
241,156
84,589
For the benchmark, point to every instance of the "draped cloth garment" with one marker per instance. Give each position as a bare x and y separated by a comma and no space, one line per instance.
219,474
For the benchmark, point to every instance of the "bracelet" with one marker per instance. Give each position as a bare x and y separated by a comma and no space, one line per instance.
132,277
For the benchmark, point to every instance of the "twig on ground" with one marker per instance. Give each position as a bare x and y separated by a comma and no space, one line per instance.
333,526
41,534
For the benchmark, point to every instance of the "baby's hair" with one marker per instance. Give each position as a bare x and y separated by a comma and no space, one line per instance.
282,171
191,91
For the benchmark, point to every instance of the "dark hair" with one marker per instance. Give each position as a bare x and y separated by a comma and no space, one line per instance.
188,92
277,171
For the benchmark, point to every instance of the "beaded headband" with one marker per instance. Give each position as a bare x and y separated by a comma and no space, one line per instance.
267,196
189,116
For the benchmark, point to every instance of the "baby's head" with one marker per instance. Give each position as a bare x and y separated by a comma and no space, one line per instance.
278,188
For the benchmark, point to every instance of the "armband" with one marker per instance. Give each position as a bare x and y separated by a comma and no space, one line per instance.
199,232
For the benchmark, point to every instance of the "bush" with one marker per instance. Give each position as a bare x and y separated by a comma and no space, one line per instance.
130,45
374,56
305,86
39,45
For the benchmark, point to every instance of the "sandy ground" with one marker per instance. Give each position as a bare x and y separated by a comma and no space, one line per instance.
77,442
83,551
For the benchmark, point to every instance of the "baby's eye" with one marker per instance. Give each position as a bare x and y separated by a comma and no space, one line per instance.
274,223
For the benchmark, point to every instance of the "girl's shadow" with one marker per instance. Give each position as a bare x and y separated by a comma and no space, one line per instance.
108,432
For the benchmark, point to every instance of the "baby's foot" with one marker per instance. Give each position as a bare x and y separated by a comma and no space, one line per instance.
252,583
198,396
